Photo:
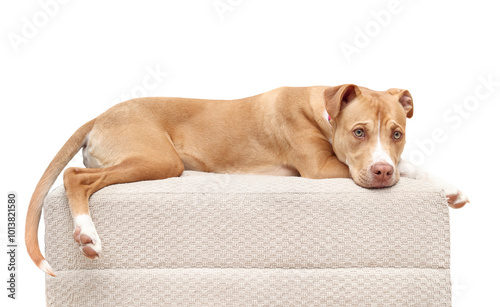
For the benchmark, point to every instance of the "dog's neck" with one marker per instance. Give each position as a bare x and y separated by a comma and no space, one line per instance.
321,116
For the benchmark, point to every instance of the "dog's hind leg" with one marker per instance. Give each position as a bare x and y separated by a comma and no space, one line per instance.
80,183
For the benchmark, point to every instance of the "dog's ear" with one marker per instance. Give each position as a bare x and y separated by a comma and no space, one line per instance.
405,99
337,98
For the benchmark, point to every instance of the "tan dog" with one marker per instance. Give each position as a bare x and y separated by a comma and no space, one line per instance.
314,132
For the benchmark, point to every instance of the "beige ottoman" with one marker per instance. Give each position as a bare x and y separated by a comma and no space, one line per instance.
240,240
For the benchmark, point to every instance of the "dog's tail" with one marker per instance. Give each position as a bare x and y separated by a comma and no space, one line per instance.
65,154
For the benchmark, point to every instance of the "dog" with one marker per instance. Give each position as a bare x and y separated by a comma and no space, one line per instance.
343,131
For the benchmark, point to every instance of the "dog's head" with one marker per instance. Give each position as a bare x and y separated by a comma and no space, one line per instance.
369,131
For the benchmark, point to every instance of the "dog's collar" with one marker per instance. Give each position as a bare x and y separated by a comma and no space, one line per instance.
327,117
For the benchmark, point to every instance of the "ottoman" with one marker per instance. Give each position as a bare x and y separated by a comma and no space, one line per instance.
243,240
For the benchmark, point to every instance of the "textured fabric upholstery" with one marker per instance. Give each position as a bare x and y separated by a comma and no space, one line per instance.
212,239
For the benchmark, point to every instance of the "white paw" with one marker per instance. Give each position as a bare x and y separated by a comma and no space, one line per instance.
86,235
456,199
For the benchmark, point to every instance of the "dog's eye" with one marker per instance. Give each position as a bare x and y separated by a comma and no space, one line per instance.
359,133
397,135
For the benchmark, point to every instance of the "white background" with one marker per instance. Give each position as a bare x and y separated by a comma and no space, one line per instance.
84,56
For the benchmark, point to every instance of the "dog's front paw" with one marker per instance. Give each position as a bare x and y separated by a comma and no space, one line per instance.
456,199
86,235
